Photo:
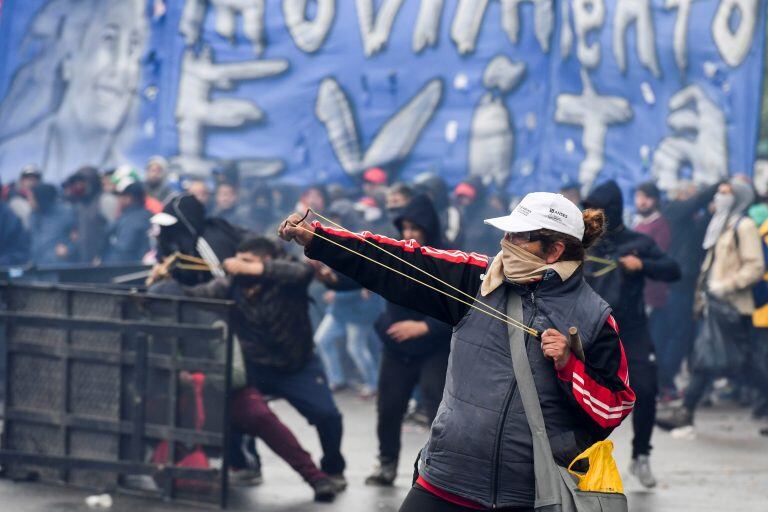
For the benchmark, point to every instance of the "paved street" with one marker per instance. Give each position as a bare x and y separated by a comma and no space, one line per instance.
725,467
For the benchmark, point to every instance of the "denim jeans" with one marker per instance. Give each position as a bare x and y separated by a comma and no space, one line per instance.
358,347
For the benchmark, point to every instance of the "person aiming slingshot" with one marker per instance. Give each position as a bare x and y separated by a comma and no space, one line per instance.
479,454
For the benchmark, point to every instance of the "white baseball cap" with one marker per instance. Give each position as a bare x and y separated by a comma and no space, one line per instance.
163,219
542,210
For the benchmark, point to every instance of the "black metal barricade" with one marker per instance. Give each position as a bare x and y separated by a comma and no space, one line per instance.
105,387
78,273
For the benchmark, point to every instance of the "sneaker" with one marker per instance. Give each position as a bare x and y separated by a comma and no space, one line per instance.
384,475
338,481
245,477
325,490
673,418
367,393
338,387
641,469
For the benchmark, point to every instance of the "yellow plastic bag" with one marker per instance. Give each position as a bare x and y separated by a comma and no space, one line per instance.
602,475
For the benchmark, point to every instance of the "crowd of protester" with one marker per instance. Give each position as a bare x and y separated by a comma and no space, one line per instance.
684,272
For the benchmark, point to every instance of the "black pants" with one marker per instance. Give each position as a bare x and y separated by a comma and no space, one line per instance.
644,381
398,378
420,500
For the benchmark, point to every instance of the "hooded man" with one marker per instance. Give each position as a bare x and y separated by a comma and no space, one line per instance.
626,259
51,227
184,228
415,350
83,190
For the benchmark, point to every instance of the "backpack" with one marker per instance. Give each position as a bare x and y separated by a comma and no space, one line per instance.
760,290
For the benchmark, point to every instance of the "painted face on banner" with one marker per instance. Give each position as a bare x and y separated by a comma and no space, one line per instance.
104,74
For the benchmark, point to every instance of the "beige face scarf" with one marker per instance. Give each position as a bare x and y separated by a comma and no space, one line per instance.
520,266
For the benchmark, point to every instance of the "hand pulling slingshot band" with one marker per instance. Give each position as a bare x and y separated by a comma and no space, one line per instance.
490,311
175,260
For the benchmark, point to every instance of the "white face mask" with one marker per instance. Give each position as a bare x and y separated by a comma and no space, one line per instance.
724,202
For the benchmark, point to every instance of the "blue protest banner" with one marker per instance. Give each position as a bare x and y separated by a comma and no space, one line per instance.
524,93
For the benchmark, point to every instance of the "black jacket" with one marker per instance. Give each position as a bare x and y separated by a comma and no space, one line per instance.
420,212
182,237
621,289
272,323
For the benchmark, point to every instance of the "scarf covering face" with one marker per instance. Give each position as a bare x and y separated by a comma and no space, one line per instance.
728,209
519,266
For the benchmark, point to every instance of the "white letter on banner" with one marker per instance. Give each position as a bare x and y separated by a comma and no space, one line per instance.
588,15
466,24
395,139
195,110
427,24
191,20
543,19
680,38
252,12
492,138
308,35
566,32
734,46
639,11
375,28
706,152
593,113
469,17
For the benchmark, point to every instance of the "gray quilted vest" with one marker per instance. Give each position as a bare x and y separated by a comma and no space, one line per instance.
479,446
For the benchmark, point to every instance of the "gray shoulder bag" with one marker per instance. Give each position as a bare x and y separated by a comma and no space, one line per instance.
556,489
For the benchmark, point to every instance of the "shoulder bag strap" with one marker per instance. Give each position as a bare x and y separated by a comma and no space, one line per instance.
548,486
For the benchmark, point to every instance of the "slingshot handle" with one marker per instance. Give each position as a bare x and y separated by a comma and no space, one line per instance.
575,343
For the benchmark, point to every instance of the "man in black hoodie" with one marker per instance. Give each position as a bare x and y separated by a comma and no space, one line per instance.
416,349
626,259
184,228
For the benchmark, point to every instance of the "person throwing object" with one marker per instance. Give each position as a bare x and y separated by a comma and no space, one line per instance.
479,454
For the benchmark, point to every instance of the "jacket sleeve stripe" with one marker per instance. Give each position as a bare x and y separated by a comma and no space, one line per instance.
606,407
452,256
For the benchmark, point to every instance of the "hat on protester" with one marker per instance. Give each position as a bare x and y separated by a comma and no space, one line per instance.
375,175
158,160
123,176
31,171
465,189
131,188
542,210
